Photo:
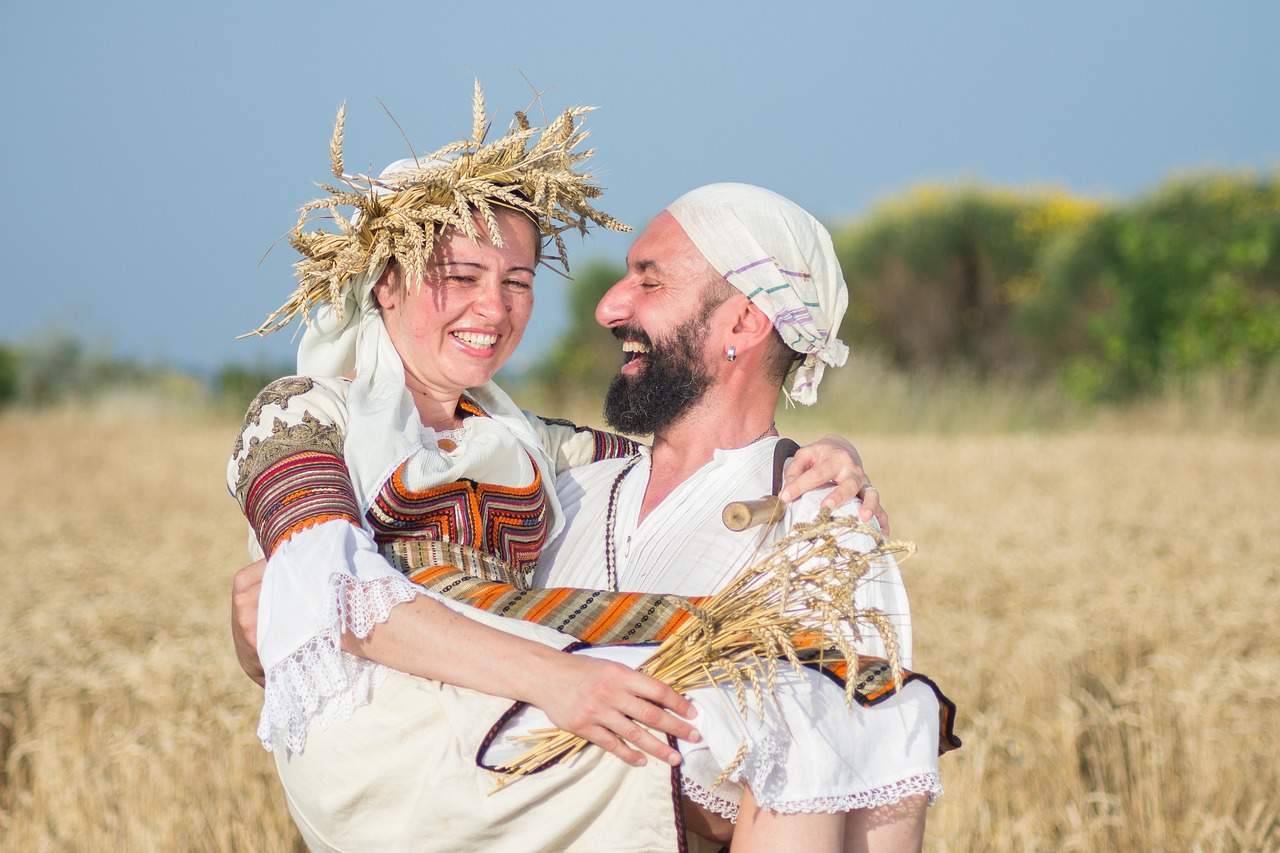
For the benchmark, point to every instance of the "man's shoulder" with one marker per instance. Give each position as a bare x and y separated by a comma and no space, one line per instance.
585,479
807,507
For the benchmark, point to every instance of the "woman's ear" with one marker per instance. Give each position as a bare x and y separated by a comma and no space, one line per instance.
386,292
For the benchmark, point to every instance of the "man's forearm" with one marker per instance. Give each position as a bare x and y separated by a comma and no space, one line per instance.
246,587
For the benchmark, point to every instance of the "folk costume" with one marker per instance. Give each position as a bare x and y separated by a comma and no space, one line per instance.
359,507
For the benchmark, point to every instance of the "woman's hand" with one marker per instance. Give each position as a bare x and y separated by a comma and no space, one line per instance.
606,702
246,586
834,460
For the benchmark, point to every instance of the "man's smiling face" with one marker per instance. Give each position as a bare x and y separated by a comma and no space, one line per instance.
660,312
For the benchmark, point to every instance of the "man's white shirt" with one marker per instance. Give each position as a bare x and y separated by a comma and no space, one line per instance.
683,547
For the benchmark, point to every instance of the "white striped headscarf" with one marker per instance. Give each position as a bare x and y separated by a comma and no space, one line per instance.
782,258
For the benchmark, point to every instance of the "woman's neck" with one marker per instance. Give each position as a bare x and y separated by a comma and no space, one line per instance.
436,409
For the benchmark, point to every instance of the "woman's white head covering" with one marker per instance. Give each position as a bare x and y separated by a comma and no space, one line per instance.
776,253
383,426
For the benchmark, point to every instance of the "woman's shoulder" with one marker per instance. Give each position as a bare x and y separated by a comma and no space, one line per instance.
290,415
321,396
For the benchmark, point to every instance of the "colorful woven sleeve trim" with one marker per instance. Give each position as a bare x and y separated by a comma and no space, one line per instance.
297,492
604,445
612,446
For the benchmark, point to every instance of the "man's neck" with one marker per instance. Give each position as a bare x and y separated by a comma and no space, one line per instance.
714,423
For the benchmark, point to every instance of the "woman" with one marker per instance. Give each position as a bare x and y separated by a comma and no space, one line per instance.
421,449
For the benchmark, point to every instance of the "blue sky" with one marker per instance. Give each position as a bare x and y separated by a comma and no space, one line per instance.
153,151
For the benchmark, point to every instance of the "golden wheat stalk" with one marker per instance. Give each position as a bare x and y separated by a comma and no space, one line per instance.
477,115
799,596
335,143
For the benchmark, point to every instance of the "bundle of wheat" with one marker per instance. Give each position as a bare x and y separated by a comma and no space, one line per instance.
799,597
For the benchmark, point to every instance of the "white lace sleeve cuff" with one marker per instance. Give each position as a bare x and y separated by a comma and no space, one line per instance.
322,582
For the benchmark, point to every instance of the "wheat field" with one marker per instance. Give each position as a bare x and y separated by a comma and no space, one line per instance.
1099,603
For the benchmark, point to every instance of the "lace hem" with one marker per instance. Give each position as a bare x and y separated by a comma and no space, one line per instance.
701,796
929,784
320,683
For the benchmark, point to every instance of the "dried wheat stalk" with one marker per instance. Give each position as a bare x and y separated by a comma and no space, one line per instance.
799,596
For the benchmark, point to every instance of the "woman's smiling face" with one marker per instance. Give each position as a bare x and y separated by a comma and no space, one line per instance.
455,328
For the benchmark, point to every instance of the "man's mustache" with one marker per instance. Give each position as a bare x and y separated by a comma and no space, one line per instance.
632,333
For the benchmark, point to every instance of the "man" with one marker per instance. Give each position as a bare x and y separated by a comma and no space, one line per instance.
713,285
725,291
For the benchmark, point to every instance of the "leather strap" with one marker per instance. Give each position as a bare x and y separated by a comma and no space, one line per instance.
782,451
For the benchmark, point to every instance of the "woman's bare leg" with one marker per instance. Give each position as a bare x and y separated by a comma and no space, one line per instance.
706,823
896,828
758,830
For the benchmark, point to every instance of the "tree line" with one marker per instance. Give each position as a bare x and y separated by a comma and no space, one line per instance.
1110,299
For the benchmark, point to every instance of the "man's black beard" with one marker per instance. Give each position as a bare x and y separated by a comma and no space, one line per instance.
673,380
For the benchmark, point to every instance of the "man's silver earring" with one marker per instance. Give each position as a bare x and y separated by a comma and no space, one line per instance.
730,352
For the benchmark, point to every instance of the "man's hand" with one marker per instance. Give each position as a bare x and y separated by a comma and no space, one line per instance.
834,460
605,702
246,586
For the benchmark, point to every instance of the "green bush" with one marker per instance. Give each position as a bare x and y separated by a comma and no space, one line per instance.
9,373
936,277
55,367
1180,282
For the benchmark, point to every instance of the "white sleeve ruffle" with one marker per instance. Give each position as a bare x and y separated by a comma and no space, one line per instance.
321,582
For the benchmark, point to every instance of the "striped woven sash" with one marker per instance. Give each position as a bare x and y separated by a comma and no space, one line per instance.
595,616
592,615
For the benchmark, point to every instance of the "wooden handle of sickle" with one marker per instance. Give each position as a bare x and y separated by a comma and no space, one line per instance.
740,515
